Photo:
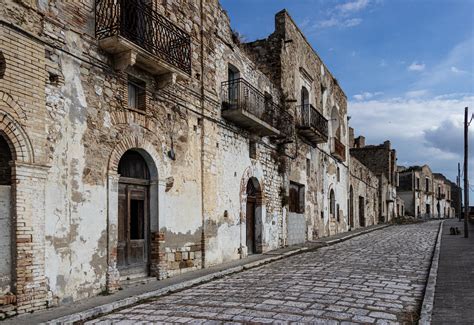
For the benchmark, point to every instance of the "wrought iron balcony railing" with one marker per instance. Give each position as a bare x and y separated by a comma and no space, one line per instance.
338,149
245,105
312,124
140,24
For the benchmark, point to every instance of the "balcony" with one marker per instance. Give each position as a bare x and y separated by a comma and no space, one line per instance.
312,125
138,35
246,106
338,150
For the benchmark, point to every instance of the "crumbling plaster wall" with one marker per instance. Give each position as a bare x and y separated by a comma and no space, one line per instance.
301,66
364,184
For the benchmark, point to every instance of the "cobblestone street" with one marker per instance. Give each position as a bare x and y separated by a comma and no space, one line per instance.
374,278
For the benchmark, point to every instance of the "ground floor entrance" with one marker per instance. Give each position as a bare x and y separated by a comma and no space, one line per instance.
133,216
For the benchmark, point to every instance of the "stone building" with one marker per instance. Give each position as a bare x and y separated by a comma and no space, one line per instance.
382,161
426,194
443,197
141,138
363,196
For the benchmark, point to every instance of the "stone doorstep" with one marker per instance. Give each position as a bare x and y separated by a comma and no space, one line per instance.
110,307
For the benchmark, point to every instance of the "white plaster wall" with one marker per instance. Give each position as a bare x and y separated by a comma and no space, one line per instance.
5,239
75,225
233,160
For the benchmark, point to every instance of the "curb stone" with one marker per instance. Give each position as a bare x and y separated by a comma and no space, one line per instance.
110,307
428,299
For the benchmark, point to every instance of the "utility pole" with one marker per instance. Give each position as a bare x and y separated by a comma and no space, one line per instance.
466,179
458,183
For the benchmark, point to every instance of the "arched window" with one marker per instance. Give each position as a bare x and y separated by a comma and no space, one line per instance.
304,96
332,203
133,165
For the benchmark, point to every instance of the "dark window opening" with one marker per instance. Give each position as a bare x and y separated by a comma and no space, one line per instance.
338,213
253,149
3,65
296,203
417,183
136,94
308,167
304,96
137,215
427,183
332,203
338,174
5,158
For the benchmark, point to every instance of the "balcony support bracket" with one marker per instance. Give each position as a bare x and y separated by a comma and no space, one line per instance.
165,80
124,60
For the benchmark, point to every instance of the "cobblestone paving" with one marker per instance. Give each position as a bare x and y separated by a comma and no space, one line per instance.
377,278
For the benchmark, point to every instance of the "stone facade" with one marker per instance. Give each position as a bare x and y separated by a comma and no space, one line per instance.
382,161
426,194
363,196
80,111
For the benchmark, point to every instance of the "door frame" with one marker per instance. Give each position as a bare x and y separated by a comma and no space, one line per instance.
134,268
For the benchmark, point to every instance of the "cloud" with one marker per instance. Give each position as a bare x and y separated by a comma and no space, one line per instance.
416,93
448,137
339,22
383,63
342,15
422,130
352,6
366,95
457,71
440,75
415,66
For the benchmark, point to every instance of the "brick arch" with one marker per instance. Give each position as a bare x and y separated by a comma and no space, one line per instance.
17,139
131,142
11,106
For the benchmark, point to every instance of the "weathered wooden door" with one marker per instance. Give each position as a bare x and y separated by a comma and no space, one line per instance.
133,228
361,211
250,222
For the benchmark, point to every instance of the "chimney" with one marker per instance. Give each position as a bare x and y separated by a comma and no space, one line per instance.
359,142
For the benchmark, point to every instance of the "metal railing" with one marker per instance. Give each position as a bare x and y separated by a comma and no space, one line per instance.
240,94
308,116
143,26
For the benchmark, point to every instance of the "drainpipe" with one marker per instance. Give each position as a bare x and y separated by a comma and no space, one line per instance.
203,232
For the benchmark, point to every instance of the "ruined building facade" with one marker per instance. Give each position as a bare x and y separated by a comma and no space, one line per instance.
141,138
382,161
426,194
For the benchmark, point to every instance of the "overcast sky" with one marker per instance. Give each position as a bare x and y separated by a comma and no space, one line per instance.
406,66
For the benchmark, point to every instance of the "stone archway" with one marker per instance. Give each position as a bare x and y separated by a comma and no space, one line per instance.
27,190
150,156
253,217
252,184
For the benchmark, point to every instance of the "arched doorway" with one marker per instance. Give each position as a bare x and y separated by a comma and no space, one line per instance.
253,217
5,217
351,207
133,215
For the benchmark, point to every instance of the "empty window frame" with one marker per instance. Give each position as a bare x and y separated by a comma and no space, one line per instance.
296,198
136,94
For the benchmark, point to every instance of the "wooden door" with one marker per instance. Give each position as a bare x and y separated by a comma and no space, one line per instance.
133,228
361,211
250,222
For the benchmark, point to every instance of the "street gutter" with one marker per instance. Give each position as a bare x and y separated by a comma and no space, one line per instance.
120,304
428,300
